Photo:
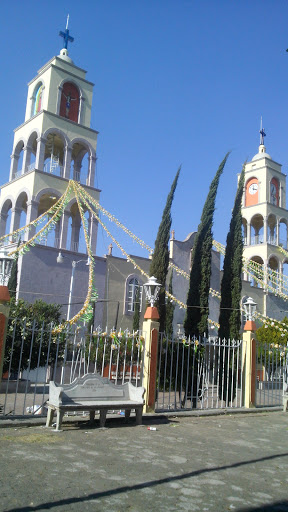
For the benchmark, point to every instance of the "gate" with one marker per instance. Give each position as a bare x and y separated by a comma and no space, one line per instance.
271,364
202,373
34,355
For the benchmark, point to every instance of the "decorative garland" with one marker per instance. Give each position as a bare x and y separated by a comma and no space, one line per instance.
128,257
39,219
113,219
86,311
24,247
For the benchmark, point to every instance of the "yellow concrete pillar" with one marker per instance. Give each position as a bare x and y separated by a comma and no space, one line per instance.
150,332
249,368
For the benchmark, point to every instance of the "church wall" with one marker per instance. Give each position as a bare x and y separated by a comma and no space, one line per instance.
277,308
118,270
41,277
181,256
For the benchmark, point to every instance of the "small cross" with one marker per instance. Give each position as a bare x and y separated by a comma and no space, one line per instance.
262,135
65,35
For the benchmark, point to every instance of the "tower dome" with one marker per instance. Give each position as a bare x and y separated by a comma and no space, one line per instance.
261,153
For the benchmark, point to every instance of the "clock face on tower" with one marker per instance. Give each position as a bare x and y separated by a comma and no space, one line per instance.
253,188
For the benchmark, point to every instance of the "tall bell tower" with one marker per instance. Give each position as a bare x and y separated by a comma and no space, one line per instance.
264,213
54,144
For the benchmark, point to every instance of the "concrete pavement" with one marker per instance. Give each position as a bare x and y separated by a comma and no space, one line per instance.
216,463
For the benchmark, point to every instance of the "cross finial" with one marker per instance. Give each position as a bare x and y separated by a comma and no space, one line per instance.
262,134
65,35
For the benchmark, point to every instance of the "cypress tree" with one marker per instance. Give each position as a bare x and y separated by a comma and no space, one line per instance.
231,284
196,321
170,312
160,258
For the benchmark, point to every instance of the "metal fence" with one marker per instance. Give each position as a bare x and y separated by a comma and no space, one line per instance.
35,354
202,373
271,365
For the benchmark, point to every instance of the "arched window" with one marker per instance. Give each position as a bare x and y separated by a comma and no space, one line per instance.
37,100
70,100
133,294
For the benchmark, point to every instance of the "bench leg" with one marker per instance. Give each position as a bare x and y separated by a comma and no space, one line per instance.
127,415
92,416
139,415
103,414
50,416
60,415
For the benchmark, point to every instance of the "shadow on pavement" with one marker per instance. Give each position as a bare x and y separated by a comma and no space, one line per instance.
279,506
153,483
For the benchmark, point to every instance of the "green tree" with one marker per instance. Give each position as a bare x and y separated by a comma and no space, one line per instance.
160,258
20,329
231,284
170,311
196,320
272,345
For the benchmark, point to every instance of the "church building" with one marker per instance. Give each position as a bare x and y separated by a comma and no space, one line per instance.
54,144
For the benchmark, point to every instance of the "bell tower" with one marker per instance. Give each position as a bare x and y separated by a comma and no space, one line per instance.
55,143
264,213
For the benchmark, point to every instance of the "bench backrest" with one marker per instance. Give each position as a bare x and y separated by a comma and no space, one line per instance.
92,388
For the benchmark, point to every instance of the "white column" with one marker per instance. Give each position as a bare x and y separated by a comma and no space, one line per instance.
93,230
67,162
13,166
32,214
40,153
76,224
26,158
3,221
277,231
91,172
15,218
265,229
64,230
248,233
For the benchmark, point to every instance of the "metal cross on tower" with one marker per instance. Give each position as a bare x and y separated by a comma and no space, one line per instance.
65,35
262,134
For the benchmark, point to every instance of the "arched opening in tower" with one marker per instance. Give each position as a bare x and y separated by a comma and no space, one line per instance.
257,229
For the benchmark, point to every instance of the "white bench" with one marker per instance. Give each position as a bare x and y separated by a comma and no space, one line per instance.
93,393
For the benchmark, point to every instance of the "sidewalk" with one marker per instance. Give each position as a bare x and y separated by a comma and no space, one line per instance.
197,463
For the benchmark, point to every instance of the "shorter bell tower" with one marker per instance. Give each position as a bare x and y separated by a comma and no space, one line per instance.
264,215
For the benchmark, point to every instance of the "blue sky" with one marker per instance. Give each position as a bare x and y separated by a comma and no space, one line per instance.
176,82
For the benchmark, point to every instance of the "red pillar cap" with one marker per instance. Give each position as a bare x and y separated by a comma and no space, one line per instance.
151,313
4,294
250,326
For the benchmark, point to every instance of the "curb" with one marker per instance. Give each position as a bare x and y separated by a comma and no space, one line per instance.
22,421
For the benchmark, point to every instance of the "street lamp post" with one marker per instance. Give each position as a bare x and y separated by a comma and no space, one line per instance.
150,332
249,354
250,310
60,259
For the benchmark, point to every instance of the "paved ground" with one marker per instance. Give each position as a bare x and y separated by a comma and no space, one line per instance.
216,463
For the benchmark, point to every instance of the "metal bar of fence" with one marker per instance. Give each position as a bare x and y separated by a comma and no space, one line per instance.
29,364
